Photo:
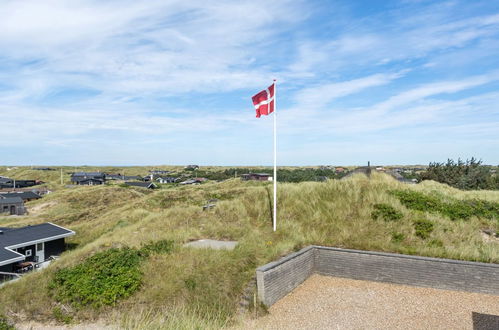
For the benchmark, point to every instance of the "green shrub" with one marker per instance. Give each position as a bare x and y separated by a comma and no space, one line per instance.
454,209
397,237
423,228
417,201
5,324
102,279
467,175
386,212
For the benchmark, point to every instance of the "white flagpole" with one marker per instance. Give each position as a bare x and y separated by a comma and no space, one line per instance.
275,156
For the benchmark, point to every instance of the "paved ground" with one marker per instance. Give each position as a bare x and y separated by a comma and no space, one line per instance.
337,303
212,244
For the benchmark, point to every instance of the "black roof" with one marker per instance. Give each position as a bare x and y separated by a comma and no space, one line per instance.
88,174
11,200
30,234
7,256
83,179
141,184
256,174
24,195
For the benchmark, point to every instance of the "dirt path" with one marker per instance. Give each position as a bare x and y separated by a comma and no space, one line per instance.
337,303
36,209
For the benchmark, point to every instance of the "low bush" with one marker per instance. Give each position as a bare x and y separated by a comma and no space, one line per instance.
102,279
5,324
454,209
423,228
417,201
386,212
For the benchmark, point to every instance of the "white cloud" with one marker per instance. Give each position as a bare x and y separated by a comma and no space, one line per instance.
320,95
131,55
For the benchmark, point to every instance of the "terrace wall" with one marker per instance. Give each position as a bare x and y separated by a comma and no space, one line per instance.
277,279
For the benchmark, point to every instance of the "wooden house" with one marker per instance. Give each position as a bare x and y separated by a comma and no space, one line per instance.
88,178
30,244
25,195
12,205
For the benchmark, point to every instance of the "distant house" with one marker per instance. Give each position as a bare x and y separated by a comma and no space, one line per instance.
87,181
38,190
339,170
133,177
191,167
33,244
6,182
88,178
166,179
25,195
148,185
44,169
113,176
363,169
194,181
160,172
256,177
123,177
12,205
13,183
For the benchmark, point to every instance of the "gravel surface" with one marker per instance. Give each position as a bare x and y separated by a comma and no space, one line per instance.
337,303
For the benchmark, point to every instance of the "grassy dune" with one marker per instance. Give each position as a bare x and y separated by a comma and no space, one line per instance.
191,288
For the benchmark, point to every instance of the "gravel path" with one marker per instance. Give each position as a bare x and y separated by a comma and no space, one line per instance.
336,303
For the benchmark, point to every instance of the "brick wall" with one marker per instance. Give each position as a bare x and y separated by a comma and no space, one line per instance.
277,279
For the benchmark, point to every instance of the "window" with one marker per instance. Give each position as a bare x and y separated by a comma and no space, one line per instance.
28,253
39,247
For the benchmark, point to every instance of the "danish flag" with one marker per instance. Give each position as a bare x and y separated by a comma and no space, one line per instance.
264,101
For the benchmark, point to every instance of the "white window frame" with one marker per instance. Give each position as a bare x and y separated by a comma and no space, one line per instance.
28,253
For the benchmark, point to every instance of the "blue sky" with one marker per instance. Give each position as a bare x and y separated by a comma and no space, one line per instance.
170,82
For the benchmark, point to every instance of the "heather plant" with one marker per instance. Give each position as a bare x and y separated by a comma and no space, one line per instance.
386,212
423,228
451,207
102,279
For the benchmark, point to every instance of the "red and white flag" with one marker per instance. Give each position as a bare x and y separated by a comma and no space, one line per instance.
264,101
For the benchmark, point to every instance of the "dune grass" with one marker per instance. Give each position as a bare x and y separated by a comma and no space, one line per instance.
192,288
